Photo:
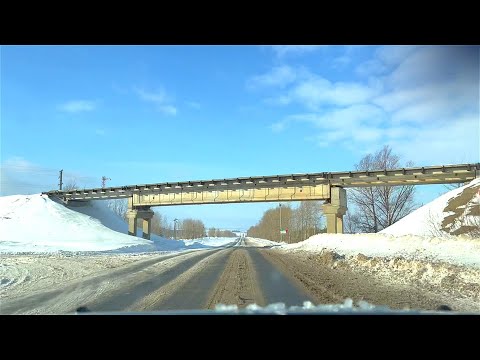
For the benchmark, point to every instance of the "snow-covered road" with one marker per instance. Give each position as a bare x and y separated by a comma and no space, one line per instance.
253,272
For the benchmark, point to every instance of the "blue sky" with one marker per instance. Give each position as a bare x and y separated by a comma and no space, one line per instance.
141,114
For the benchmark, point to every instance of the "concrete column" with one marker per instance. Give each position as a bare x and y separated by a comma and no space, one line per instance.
140,212
147,228
130,203
132,222
146,215
335,209
331,223
339,224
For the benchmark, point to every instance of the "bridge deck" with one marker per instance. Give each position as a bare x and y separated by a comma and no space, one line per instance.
390,177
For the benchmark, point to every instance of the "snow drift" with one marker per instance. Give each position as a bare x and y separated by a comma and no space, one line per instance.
35,223
463,251
454,213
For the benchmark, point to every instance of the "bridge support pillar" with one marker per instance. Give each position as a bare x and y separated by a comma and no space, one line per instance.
145,214
132,222
147,227
335,209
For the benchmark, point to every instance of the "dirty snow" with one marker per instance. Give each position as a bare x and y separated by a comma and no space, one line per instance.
263,242
427,220
455,250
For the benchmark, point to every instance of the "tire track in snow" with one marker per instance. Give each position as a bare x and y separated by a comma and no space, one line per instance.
68,297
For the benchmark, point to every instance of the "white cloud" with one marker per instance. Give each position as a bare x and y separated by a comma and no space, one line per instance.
277,77
370,68
343,118
311,90
386,58
355,124
318,91
421,100
454,142
433,85
75,106
283,50
394,54
160,98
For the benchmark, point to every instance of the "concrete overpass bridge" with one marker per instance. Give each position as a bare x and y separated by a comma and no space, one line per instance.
327,186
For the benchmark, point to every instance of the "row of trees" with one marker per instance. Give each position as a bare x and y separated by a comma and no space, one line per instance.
300,222
191,229
212,232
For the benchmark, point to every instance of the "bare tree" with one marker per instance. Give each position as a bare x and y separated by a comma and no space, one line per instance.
381,206
119,207
454,186
211,232
192,229
351,222
70,185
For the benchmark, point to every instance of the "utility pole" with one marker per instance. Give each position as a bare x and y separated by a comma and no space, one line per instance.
61,178
281,233
175,228
104,179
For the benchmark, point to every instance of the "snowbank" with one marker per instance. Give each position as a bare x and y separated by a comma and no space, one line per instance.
263,242
34,223
99,210
429,219
210,242
455,250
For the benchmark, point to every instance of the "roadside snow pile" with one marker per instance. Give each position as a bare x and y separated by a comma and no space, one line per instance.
210,242
263,242
456,212
34,223
99,210
459,250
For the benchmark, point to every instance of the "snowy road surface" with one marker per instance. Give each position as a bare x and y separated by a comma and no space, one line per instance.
241,274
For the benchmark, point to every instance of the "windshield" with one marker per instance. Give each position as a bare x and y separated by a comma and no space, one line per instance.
239,179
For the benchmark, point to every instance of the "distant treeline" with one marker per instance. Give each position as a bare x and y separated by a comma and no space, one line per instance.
299,223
